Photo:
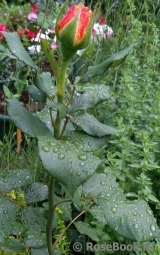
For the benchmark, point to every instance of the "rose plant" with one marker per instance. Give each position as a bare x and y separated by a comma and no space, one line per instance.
69,137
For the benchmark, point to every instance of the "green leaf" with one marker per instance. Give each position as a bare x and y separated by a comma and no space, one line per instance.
98,187
65,207
46,48
103,186
99,92
91,125
36,192
36,94
86,229
44,82
74,166
13,179
152,198
57,106
35,239
81,102
6,52
85,142
15,45
44,116
25,121
39,251
44,252
33,219
113,61
12,245
131,219
18,229
7,92
7,216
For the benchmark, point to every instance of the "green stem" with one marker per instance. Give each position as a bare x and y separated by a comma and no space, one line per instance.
60,95
57,127
50,216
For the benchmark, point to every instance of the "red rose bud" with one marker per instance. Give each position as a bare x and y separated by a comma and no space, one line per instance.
74,28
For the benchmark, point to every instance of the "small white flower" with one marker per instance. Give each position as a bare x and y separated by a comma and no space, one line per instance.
39,35
80,52
34,48
100,32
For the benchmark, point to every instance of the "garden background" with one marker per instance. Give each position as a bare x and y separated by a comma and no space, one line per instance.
133,107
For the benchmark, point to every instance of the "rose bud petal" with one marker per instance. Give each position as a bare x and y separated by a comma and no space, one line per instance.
74,28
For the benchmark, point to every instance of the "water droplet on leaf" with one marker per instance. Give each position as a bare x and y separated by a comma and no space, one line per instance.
70,160
71,172
61,156
122,221
82,157
45,148
55,149
103,183
5,211
135,225
113,209
82,164
149,211
153,228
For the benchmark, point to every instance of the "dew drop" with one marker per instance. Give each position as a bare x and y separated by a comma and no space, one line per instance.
134,213
88,174
113,209
149,211
82,163
70,160
5,211
61,156
55,149
103,183
153,228
89,144
122,221
71,172
135,225
141,215
45,148
78,173
82,157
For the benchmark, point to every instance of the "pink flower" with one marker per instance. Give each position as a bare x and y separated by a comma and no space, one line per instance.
53,45
109,32
3,29
94,32
32,15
